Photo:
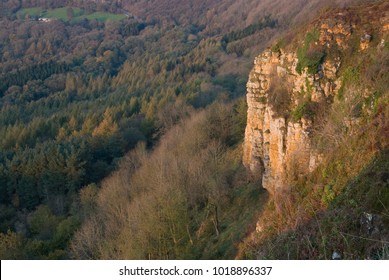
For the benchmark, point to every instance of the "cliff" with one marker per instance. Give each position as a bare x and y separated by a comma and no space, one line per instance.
291,87
274,145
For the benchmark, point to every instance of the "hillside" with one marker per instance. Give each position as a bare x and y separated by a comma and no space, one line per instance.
125,131
317,137
77,95
316,140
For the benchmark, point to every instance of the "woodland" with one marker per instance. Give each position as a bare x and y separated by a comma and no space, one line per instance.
122,122
76,96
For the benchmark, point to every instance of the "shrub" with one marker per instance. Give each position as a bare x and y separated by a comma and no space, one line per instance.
43,223
279,97
310,56
310,59
351,76
328,195
305,109
261,99
10,245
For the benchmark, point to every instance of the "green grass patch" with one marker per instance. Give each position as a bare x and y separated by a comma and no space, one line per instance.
350,76
101,16
305,109
62,14
310,56
32,12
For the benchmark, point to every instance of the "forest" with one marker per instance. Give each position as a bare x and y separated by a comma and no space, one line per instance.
76,96
111,107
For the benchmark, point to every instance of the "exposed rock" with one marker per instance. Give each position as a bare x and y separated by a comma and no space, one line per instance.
382,44
336,256
385,22
330,68
335,31
276,148
370,224
259,227
278,145
365,42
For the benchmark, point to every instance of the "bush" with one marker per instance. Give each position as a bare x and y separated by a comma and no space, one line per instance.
310,56
310,59
279,97
10,245
351,76
43,223
306,110
328,195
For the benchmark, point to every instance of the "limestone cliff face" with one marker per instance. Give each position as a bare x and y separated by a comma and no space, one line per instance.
277,146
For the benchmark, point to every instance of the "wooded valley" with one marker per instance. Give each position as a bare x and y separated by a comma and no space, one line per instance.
122,125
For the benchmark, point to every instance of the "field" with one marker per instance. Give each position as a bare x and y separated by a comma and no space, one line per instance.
61,14
101,16
30,12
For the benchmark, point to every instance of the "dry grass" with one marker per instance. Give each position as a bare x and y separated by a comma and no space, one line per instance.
307,213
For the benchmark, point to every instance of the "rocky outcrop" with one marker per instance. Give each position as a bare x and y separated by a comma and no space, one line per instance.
278,148
278,145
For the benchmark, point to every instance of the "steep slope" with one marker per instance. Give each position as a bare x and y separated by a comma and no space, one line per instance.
317,118
230,14
287,89
65,127
187,199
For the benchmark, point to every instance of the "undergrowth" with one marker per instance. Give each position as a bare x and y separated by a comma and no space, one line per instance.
323,212
341,207
309,55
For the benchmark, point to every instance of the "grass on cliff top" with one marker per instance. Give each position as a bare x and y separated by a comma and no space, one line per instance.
309,55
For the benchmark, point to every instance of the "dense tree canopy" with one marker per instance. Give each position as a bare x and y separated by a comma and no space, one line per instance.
89,88
77,95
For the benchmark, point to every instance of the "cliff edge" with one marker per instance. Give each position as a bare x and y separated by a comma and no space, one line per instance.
294,84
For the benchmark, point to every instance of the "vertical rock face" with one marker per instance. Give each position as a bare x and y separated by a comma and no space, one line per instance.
278,148
278,145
